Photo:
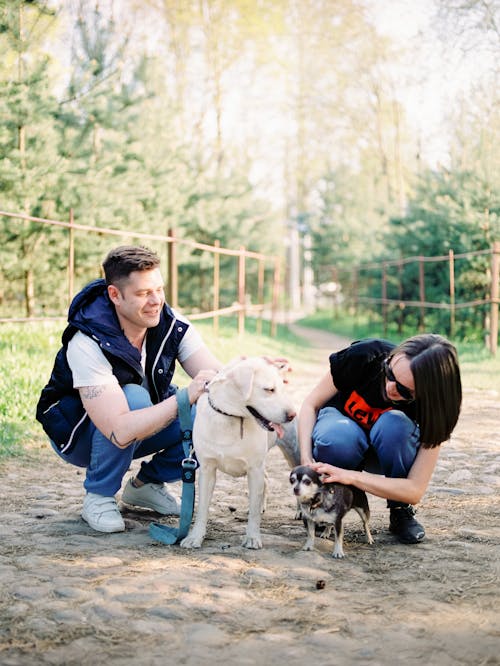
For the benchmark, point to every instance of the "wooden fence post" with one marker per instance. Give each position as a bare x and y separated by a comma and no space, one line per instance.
421,281
276,292
173,282
260,293
384,296
451,256
241,290
216,301
71,258
355,294
400,295
495,264
335,299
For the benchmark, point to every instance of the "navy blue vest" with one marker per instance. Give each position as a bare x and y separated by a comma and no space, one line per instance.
59,409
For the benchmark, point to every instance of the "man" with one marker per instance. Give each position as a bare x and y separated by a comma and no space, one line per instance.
109,399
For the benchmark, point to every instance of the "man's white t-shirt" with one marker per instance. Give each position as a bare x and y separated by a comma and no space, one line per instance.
91,368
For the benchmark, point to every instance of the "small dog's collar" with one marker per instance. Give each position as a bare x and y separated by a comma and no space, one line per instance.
316,501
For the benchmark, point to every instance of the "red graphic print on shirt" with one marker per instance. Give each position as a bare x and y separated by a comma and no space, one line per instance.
361,412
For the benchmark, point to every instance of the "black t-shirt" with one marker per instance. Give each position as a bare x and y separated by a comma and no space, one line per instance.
358,375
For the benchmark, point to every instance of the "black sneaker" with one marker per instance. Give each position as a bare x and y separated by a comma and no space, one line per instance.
404,526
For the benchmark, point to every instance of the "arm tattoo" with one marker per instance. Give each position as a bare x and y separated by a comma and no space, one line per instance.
90,392
113,440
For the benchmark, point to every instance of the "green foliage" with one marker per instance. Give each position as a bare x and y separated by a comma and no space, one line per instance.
28,155
347,227
27,354
457,211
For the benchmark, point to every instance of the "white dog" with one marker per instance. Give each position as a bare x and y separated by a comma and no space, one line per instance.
243,403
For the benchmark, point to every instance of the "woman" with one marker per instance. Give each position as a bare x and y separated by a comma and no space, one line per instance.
387,405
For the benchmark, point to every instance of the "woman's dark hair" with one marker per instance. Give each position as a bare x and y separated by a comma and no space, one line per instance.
438,387
123,260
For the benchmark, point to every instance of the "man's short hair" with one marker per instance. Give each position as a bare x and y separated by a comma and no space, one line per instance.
123,260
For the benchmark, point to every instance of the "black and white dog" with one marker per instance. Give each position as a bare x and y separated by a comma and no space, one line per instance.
325,504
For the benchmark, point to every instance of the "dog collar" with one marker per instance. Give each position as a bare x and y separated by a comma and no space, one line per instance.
316,501
216,409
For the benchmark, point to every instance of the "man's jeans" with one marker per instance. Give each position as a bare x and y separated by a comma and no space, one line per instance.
390,447
107,464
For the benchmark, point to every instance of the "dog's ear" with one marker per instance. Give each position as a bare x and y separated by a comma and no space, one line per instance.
243,378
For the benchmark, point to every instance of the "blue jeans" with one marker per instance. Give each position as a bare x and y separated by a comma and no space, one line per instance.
391,444
107,464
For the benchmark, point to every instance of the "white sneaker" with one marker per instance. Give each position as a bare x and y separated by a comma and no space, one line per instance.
102,513
151,496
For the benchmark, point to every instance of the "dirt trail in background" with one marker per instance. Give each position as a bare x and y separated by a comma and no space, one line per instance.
74,596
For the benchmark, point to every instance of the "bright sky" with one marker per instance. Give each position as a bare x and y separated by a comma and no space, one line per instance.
404,21
411,23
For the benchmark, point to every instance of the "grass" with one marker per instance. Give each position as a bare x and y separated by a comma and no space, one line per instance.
27,353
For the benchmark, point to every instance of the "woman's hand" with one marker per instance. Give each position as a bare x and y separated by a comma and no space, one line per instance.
282,364
332,474
409,490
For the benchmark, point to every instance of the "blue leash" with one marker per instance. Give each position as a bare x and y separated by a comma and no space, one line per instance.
165,533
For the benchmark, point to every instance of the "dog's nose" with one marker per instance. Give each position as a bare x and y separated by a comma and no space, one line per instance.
291,415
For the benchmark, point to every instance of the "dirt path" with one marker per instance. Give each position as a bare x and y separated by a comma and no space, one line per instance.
73,596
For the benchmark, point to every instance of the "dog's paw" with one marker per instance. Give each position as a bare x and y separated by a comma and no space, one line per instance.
253,542
338,554
191,541
309,545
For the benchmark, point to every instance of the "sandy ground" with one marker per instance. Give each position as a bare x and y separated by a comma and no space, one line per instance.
74,596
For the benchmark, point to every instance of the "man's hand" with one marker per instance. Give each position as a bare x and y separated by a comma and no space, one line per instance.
199,384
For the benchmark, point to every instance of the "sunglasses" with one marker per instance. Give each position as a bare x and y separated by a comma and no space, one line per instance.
403,390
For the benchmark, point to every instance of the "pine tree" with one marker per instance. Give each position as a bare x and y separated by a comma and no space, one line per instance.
28,158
